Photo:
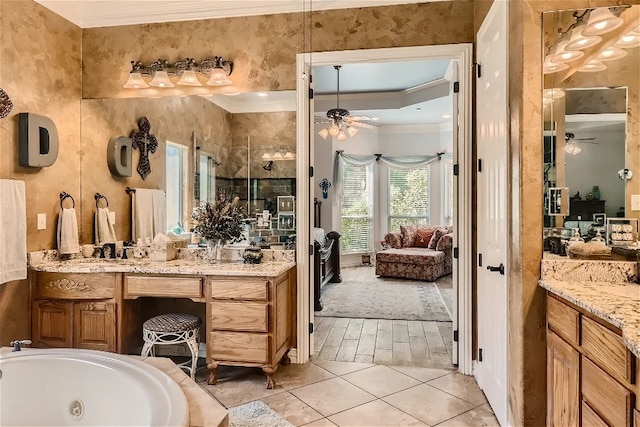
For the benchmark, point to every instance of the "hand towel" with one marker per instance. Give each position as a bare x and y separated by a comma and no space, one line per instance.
68,232
159,212
103,227
13,231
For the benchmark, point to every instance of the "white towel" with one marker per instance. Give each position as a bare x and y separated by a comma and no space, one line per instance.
68,232
103,227
149,213
13,231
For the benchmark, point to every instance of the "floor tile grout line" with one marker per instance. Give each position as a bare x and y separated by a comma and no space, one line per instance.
319,413
451,394
384,401
421,381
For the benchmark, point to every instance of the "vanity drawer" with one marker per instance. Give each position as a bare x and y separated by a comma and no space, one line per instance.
162,286
239,316
605,395
77,286
239,347
239,288
606,348
563,320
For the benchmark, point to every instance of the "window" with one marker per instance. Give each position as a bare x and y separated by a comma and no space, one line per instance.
175,184
448,194
408,197
357,208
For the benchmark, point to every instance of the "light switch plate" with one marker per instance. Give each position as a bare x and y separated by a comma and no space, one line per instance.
112,217
42,221
635,202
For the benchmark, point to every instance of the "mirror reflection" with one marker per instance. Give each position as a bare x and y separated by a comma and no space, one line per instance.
591,127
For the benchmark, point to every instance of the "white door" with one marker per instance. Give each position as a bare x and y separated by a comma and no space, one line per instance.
493,130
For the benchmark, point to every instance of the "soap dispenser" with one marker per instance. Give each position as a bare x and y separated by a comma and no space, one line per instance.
575,238
599,239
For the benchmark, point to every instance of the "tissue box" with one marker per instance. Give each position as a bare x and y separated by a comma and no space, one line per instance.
165,251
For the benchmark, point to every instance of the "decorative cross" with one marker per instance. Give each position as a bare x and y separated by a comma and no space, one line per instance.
325,184
145,142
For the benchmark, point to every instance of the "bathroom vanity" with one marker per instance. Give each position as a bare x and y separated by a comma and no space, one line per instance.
593,345
100,305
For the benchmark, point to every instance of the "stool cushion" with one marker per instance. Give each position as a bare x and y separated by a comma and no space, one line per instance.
172,322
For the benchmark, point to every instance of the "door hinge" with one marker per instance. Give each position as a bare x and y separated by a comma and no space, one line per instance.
455,253
310,93
455,336
456,87
479,260
479,165
310,328
311,250
456,170
479,355
310,171
479,69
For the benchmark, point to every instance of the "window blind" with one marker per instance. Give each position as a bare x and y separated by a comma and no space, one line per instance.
408,197
357,208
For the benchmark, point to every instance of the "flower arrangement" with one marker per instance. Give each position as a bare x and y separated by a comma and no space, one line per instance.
222,221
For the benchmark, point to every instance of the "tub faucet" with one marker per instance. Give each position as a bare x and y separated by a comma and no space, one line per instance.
112,250
17,343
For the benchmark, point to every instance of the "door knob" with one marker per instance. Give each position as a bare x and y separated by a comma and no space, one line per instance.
499,268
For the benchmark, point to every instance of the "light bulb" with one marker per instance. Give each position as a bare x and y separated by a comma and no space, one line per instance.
352,131
334,130
324,133
161,79
219,78
341,135
135,81
189,78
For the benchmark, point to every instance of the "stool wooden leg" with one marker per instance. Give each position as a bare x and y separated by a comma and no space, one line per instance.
213,376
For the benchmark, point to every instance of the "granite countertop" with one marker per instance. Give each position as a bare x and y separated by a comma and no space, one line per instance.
616,303
179,266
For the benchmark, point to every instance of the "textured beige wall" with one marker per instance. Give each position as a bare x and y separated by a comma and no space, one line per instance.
172,118
263,48
526,300
40,70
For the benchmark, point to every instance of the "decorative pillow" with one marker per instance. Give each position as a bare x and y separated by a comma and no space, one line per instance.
423,237
434,239
394,240
408,235
445,243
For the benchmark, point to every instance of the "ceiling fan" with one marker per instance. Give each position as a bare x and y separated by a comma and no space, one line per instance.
571,143
341,122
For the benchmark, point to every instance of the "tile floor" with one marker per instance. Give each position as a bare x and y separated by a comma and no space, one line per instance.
328,393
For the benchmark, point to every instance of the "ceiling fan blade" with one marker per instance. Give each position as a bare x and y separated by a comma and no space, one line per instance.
363,125
584,139
358,118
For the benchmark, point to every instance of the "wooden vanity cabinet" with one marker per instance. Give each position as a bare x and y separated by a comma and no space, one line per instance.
591,378
249,322
74,310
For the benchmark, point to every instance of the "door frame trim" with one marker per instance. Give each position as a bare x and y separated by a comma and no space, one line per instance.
463,53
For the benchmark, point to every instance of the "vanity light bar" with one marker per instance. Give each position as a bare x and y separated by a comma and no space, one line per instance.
217,69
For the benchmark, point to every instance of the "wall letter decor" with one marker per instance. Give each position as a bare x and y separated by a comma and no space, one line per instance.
38,137
119,156
145,142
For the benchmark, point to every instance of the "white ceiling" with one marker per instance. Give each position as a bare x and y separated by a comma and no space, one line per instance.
108,13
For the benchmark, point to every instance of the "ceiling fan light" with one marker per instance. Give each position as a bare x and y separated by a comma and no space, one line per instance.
352,131
578,41
592,66
189,78
135,81
341,135
562,55
601,21
572,149
161,79
611,53
628,41
334,130
324,133
219,78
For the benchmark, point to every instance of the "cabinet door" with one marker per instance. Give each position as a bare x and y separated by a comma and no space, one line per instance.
52,323
95,325
563,397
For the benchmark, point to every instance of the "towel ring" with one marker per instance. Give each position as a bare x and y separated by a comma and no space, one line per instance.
99,196
64,195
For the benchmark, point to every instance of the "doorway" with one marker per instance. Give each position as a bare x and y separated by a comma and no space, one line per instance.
461,54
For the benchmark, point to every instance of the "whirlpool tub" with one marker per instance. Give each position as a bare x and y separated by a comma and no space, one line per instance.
86,388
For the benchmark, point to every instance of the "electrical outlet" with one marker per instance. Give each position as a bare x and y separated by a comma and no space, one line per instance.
635,202
112,217
42,221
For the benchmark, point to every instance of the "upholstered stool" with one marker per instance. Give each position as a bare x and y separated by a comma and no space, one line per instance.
173,328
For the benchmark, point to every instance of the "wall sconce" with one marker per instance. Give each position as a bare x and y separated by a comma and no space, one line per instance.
268,166
188,71
279,153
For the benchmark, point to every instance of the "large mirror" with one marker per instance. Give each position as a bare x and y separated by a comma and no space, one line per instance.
591,101
242,145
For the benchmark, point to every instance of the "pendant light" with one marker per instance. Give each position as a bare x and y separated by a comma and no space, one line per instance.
579,41
592,66
161,79
611,53
135,81
189,78
601,21
629,41
551,67
561,55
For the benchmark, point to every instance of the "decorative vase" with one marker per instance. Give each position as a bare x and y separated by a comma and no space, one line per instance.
596,192
214,247
589,196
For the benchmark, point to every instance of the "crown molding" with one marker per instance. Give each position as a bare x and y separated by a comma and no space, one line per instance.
284,100
422,128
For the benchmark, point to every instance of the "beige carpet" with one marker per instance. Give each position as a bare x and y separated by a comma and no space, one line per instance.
384,298
256,414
